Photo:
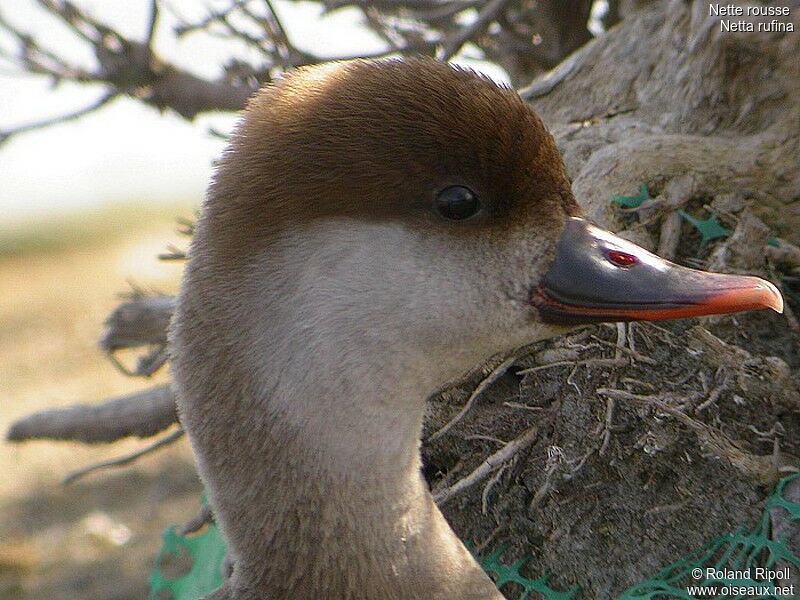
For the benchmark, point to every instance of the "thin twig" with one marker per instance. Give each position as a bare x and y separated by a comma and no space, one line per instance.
488,488
487,14
607,426
496,374
714,395
482,546
625,395
571,379
127,66
555,456
523,406
619,346
487,466
629,351
124,460
579,464
590,362
97,104
152,24
172,253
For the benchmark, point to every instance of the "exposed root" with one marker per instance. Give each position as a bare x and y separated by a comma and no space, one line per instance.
491,463
485,543
142,414
606,435
622,349
488,488
124,460
590,362
715,393
555,456
496,374
765,469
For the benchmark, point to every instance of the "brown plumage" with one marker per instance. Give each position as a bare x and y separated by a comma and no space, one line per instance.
327,297
373,140
325,292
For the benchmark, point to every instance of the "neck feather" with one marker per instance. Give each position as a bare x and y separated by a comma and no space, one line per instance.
364,534
313,469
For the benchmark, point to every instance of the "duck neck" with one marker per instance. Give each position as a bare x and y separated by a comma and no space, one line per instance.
333,503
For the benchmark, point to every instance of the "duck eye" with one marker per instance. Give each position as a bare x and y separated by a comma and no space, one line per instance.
457,203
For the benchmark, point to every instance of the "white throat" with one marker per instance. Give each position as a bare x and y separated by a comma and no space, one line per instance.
307,433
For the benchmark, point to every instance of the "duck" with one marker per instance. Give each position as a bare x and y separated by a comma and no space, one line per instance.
374,230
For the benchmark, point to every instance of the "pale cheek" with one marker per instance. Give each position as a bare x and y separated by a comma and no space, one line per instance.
420,291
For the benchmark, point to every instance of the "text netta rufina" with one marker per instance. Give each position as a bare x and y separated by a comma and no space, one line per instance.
374,230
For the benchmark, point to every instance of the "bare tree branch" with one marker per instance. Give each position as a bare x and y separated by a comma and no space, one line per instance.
128,67
152,24
142,414
525,39
141,321
33,58
487,14
5,135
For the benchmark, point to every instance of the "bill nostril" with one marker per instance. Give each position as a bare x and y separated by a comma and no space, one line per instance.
621,259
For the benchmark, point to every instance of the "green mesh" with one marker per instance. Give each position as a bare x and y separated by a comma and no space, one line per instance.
503,574
709,228
735,552
207,551
633,201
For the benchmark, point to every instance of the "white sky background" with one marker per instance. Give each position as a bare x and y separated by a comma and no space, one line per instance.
128,151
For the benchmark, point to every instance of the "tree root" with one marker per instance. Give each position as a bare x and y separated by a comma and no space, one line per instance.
142,414
491,463
124,460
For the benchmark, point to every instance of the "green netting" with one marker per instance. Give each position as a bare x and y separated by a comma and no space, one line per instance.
709,228
740,551
206,551
503,574
735,552
633,201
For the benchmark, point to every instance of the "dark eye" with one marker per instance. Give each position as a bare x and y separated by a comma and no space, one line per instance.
457,203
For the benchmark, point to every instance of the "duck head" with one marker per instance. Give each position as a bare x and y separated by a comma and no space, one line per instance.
374,230
431,207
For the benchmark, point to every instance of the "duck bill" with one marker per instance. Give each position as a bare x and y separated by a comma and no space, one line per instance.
597,276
